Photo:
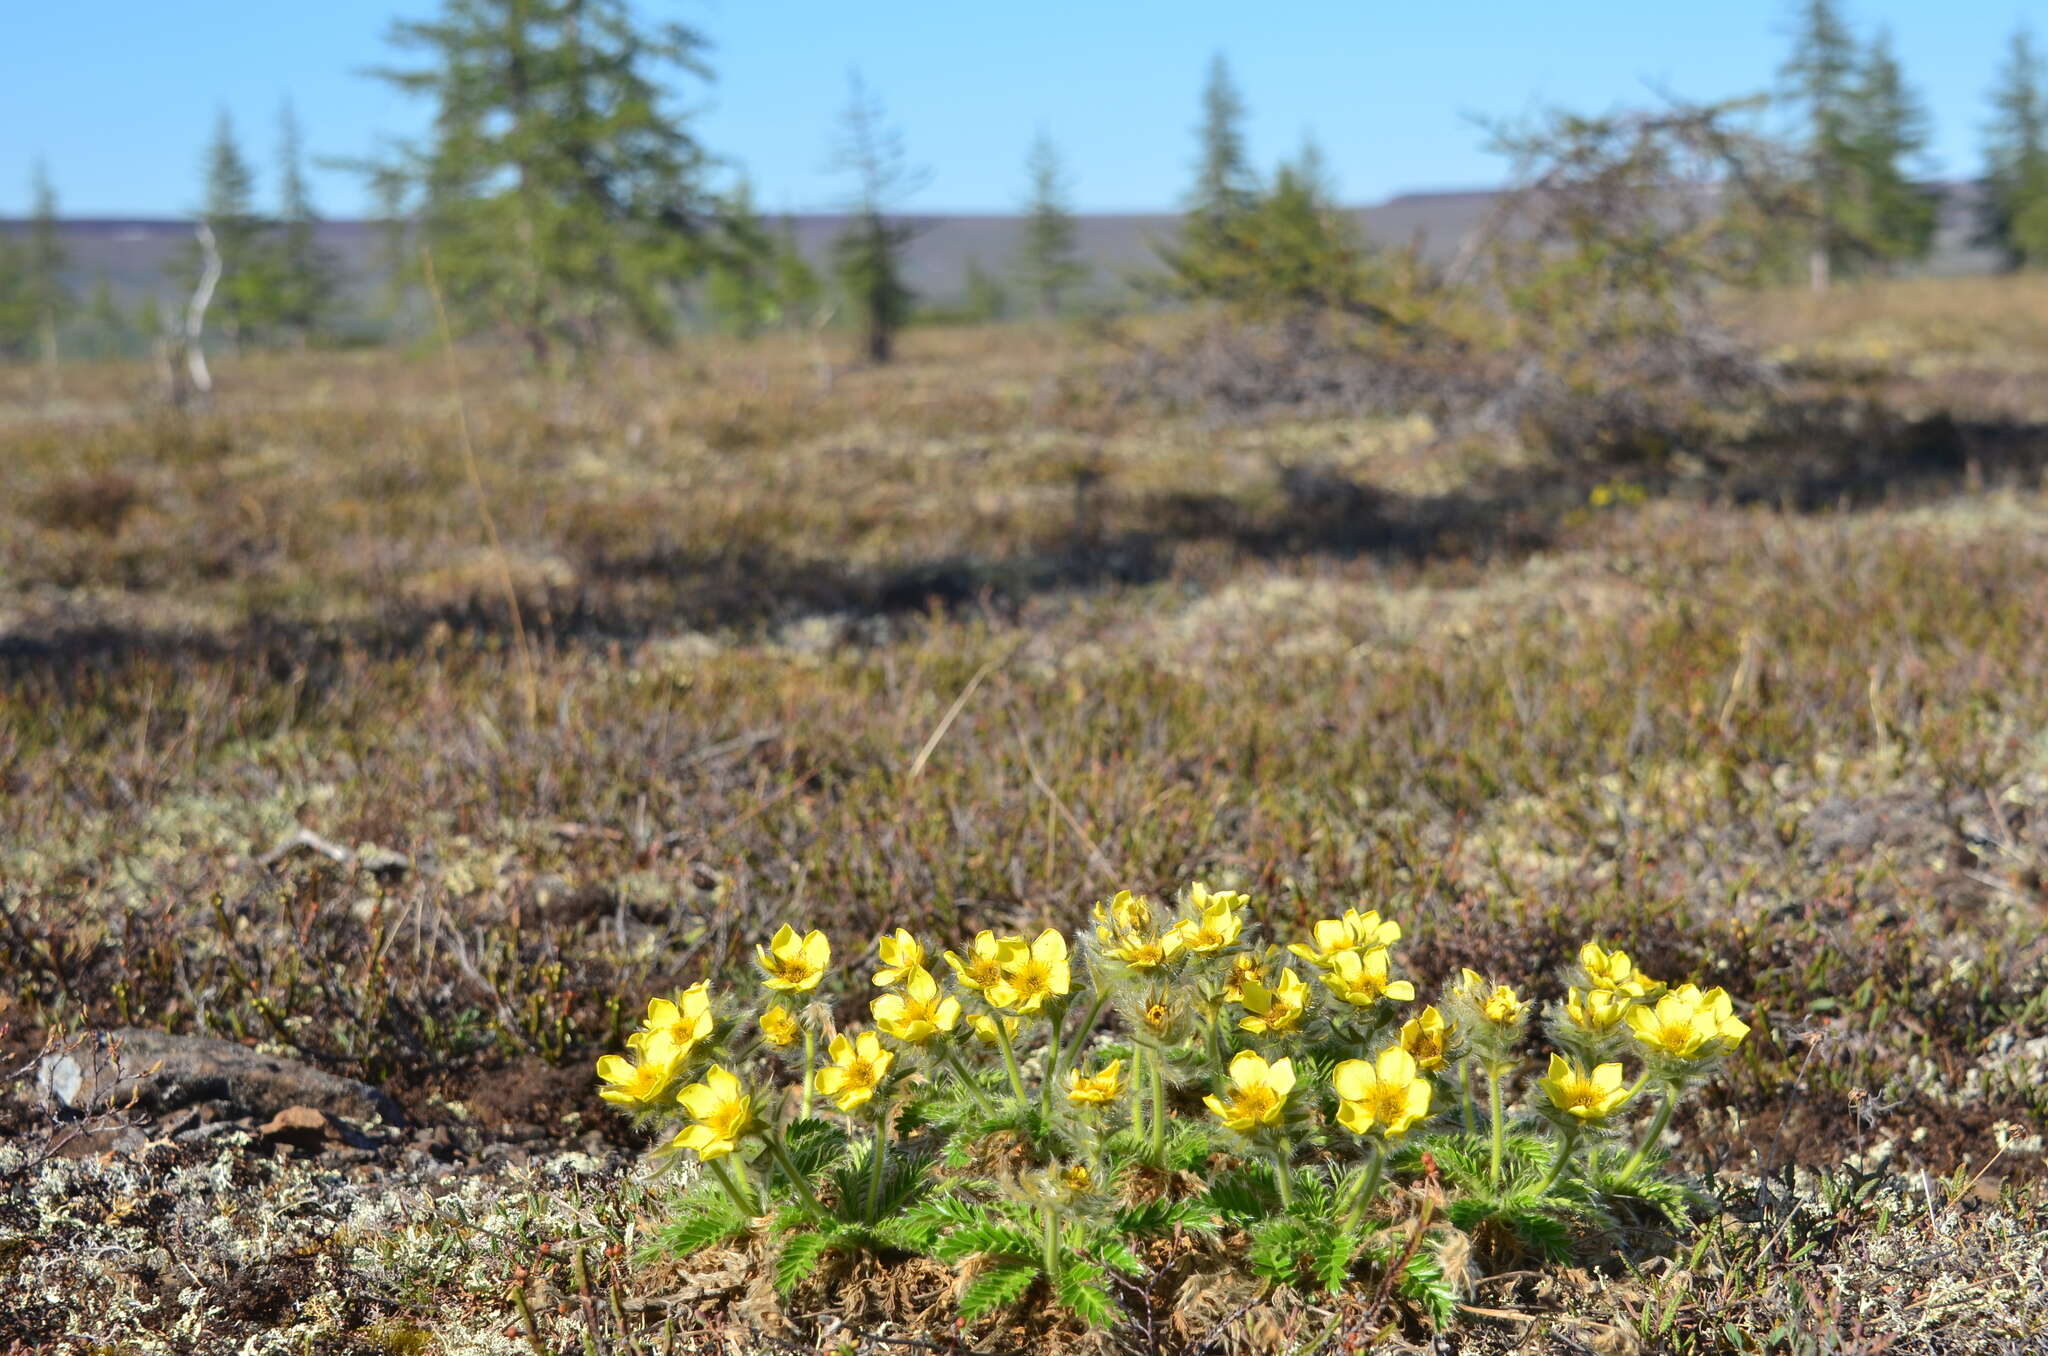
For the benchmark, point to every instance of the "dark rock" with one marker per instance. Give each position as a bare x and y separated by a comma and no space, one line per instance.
160,1073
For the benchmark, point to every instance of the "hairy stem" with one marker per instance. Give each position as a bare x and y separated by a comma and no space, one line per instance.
1052,1067
1499,1127
967,1080
1010,1059
1052,1242
723,1173
810,1060
1138,1094
1283,1174
1157,1065
880,1156
1361,1195
796,1178
1568,1140
1658,1124
1079,1039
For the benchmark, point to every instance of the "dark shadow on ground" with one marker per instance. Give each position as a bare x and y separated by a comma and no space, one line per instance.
1814,456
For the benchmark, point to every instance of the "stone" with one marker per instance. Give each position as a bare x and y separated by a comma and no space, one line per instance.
160,1073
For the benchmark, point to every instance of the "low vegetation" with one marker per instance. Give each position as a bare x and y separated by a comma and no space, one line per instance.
295,752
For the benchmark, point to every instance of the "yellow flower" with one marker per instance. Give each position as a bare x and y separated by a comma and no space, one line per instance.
1126,913
1360,978
1688,1024
1355,931
856,1071
1427,1039
1076,1178
901,954
1615,972
1245,969
1275,1011
687,1018
1580,1095
1032,975
779,1028
918,1013
791,963
1499,1005
985,961
1596,1011
1218,925
1258,1094
1728,1029
1096,1089
722,1111
985,1028
1385,1094
1144,953
641,1083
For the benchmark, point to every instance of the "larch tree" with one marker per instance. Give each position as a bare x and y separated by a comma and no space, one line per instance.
305,282
240,237
2015,188
561,200
1820,78
1049,263
48,299
868,254
1898,213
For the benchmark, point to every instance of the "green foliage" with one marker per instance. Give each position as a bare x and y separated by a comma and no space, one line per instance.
1049,264
1003,1281
562,203
868,255
2016,157
800,1255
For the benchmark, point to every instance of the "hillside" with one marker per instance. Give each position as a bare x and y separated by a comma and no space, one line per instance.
133,254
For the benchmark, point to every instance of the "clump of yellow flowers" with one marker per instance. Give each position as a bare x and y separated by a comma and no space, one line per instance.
1167,1037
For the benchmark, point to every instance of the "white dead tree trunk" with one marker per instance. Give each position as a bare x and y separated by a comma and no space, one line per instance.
195,312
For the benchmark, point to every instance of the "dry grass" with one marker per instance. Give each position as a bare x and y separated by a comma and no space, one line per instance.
1795,754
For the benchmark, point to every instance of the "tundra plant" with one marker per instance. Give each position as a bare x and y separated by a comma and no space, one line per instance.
1288,1102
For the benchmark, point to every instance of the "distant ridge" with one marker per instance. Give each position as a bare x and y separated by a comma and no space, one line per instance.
134,253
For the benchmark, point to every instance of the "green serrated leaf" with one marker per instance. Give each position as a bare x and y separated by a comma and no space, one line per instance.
1333,1252
1079,1287
1002,1283
799,1258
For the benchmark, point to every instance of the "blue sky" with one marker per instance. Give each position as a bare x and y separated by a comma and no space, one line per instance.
119,96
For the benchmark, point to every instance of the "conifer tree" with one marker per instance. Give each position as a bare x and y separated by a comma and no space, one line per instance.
798,288
562,201
304,284
1820,77
1225,191
44,261
1224,182
868,254
228,207
104,322
2015,197
1889,135
740,288
1048,261
17,305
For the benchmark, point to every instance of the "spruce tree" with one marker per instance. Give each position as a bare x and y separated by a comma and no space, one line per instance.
2015,190
1820,77
241,299
48,297
17,304
104,323
305,283
868,254
1224,182
740,289
798,288
1048,260
1888,134
563,203
1225,191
